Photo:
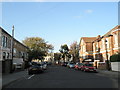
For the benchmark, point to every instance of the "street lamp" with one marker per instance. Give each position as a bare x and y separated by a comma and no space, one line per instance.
12,48
107,62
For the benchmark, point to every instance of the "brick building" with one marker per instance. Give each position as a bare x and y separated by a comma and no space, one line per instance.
107,45
86,48
100,47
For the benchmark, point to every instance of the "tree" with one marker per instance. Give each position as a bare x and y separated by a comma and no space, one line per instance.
57,56
38,48
74,51
65,51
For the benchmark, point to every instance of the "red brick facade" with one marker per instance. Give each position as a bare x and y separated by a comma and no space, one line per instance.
102,47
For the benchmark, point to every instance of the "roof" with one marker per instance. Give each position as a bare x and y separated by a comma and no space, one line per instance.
11,37
88,39
108,33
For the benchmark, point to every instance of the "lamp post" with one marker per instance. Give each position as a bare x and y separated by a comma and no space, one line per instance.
12,48
107,62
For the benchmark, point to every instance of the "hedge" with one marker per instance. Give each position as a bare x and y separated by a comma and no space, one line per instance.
115,58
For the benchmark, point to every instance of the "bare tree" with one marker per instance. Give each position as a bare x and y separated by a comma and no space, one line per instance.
74,51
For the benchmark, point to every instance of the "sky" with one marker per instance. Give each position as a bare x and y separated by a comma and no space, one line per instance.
59,22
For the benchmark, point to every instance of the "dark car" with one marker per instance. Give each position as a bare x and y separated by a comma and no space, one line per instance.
35,69
78,66
88,68
49,63
44,65
64,64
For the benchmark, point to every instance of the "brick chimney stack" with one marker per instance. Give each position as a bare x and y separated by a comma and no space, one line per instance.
98,36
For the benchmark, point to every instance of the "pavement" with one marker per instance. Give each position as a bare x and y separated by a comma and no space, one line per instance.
112,74
11,77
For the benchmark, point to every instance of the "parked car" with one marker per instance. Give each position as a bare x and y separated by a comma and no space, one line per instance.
64,64
44,65
88,68
18,65
49,63
35,69
78,66
71,65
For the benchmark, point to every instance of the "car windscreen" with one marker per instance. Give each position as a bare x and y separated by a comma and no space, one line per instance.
39,64
88,65
71,63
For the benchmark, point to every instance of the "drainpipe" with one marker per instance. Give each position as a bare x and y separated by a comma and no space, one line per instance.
107,62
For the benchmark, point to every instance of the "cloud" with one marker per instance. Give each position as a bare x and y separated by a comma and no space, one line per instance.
89,11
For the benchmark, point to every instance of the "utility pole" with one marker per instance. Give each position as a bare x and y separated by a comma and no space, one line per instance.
12,48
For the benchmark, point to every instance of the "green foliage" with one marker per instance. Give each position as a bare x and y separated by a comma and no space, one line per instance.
64,50
115,58
38,48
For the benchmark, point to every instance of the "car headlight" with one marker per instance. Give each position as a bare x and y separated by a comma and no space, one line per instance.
41,66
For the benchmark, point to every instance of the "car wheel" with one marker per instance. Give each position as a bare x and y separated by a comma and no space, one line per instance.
95,72
29,73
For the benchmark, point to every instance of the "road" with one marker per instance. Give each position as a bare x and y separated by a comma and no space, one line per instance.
64,77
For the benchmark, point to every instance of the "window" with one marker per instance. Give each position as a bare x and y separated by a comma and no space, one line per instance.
9,43
3,41
96,46
6,40
107,42
103,44
115,39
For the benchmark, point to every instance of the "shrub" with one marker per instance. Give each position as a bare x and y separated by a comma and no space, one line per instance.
115,58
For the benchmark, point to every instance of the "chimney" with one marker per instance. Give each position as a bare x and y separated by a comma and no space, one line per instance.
98,36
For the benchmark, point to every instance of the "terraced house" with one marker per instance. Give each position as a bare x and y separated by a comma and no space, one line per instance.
19,51
100,47
107,45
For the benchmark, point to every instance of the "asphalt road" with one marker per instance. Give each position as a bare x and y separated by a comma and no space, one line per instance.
63,77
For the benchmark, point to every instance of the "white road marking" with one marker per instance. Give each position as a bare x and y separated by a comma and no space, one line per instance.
31,76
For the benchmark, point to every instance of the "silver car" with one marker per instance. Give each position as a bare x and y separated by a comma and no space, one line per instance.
71,65
44,65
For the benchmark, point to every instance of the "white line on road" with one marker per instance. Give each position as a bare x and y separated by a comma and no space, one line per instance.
31,76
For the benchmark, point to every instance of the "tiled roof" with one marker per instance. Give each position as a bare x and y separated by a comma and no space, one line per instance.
88,39
108,33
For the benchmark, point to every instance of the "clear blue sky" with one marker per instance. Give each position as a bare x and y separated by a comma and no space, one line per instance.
59,22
